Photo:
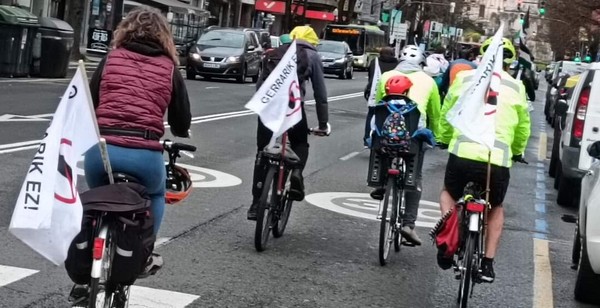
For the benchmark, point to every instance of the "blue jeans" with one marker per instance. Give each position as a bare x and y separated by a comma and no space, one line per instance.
146,165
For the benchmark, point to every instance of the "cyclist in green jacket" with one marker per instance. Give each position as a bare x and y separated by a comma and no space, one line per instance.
468,159
425,94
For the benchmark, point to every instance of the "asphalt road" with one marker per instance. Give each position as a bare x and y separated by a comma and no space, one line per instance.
326,258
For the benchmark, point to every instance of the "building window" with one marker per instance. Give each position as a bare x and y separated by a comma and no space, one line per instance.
481,11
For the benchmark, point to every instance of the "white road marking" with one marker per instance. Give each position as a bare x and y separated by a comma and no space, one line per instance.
26,145
142,297
9,274
348,156
24,118
542,280
543,147
361,205
161,241
33,80
204,177
208,88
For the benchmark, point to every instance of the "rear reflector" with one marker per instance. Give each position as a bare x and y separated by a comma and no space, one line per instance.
98,248
393,172
475,207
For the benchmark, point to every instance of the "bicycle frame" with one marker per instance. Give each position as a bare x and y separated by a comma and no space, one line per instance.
281,173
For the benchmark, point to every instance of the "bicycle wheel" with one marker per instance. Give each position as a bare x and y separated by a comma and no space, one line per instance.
285,207
100,292
386,230
398,207
263,213
466,270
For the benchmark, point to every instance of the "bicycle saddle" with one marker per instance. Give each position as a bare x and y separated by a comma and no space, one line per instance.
274,152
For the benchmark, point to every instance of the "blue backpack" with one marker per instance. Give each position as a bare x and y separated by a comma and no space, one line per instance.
395,134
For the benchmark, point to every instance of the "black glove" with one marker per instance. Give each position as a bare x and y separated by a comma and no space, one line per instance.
519,159
442,146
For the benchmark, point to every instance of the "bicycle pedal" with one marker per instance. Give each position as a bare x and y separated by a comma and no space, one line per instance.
408,244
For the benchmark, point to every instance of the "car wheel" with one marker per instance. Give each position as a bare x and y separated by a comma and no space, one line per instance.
587,282
189,74
242,77
554,155
557,174
207,78
255,78
575,253
350,73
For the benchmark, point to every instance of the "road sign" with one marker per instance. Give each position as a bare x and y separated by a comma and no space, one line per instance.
436,26
395,22
459,32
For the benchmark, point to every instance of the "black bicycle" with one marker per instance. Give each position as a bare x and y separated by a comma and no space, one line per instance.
102,292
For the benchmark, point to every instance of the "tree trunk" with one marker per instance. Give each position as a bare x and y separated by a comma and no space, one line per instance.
74,17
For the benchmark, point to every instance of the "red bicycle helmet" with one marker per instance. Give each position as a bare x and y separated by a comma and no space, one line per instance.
398,85
179,184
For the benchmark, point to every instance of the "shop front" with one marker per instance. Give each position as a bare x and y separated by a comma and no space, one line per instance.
316,18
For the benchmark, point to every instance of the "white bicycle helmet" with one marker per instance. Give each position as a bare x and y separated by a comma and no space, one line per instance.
412,54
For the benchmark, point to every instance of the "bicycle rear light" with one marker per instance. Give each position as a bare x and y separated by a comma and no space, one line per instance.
475,207
393,172
98,248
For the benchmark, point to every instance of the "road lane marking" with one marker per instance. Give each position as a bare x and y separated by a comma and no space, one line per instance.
542,150
208,88
9,274
204,177
542,280
161,241
26,145
142,297
349,155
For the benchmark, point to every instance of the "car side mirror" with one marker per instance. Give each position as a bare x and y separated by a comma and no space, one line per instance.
251,48
561,107
594,150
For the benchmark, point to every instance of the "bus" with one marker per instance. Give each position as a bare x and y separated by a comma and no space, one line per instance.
365,41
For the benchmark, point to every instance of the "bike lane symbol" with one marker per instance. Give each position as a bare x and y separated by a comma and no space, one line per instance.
361,205
201,177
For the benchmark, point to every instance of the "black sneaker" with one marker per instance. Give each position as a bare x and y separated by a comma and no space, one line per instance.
79,295
378,193
297,185
153,265
487,272
251,215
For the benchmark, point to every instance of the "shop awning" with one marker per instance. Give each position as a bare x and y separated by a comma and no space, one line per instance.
310,14
180,7
270,6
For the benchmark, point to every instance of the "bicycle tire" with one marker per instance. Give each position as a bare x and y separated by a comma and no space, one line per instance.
263,213
467,275
285,206
96,286
397,234
386,227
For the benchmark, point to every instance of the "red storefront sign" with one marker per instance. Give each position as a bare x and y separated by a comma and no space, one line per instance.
278,7
270,6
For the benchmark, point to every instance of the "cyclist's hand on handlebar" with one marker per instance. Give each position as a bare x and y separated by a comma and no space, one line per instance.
321,131
442,146
519,159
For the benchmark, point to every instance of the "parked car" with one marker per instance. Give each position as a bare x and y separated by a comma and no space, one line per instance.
264,38
337,58
586,244
549,71
581,128
561,69
225,53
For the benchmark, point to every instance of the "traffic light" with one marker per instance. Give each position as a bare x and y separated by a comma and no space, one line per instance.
588,59
521,18
542,7
519,3
577,57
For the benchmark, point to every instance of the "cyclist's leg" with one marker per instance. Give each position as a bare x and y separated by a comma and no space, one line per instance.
263,137
455,180
145,165
367,135
413,197
299,141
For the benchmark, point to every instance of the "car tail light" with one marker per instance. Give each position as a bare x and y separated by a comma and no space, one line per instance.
98,248
579,117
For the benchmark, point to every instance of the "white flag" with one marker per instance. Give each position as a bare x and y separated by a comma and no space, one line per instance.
48,212
376,76
278,102
474,114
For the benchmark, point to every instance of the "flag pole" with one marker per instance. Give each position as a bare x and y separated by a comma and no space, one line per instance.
102,143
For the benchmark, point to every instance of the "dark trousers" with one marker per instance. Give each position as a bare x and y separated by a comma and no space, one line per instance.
298,136
370,115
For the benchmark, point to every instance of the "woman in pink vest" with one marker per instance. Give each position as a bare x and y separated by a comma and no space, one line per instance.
132,89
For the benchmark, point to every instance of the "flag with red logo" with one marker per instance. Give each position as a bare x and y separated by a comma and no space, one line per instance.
474,114
48,212
278,101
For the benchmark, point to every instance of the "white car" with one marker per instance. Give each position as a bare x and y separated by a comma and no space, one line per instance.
586,246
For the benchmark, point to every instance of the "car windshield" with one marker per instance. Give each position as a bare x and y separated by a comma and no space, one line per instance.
222,39
331,47
573,68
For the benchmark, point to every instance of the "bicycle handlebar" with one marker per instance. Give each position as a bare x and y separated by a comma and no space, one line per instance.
171,146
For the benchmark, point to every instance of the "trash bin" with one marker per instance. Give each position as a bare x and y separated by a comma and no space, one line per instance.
17,33
53,48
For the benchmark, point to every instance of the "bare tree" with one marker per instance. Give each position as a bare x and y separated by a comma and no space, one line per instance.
74,17
346,16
